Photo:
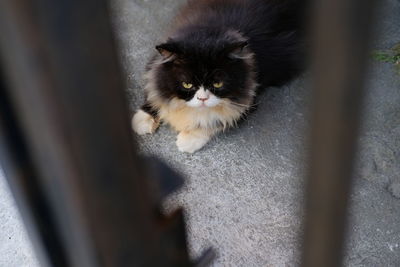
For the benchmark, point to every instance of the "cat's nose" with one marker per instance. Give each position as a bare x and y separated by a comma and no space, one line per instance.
202,98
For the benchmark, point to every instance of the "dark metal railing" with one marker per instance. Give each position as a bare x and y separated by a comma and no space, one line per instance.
67,147
67,151
341,32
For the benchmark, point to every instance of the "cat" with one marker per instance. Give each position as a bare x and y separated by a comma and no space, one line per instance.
218,53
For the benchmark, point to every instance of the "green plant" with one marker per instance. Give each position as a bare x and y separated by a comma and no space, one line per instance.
389,56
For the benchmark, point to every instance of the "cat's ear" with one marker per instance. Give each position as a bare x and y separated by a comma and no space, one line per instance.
236,50
168,51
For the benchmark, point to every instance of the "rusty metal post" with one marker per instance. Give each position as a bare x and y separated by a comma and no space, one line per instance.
66,146
342,31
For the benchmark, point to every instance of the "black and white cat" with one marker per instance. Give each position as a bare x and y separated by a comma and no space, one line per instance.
218,53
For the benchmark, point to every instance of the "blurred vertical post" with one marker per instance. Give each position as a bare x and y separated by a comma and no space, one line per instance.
341,31
66,145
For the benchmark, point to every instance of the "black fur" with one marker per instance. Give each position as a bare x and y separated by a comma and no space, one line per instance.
202,58
148,108
200,47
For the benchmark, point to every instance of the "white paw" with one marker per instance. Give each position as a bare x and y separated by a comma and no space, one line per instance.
143,123
190,143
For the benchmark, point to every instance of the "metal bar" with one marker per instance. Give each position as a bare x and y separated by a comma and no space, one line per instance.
341,30
30,198
66,101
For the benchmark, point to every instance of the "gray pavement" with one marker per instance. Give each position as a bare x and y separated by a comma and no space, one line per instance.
243,192
15,248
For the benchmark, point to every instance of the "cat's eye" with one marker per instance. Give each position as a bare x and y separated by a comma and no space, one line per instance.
187,85
218,85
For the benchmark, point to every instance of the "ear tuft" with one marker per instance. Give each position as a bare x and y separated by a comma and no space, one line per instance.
168,50
235,50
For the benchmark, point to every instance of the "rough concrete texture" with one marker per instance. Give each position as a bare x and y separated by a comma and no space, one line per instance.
15,248
243,192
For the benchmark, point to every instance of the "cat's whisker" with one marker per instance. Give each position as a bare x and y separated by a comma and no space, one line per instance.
186,75
242,105
233,103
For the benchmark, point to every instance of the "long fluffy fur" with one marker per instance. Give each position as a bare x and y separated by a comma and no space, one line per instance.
181,117
249,44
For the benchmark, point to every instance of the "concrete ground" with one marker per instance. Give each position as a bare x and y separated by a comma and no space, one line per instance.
15,248
243,192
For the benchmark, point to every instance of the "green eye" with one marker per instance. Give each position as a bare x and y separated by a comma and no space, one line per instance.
187,85
218,85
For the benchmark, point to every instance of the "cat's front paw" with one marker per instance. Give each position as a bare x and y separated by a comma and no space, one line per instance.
190,143
144,123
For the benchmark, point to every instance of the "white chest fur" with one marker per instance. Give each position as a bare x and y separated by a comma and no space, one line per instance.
185,118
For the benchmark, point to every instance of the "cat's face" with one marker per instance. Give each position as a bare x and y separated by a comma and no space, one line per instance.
205,71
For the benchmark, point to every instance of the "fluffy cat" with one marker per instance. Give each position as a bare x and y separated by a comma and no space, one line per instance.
216,56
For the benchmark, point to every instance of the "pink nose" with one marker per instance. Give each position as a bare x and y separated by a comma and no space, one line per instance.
202,98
